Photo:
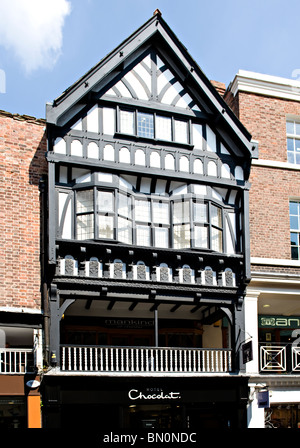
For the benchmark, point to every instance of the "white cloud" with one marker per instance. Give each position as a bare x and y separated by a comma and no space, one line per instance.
32,30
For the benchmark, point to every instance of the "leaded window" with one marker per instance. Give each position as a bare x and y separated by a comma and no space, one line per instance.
160,127
85,214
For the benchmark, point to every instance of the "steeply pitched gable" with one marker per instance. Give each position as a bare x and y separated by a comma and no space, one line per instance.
152,66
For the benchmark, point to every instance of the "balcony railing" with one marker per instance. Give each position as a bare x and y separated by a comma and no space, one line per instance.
14,360
144,359
279,358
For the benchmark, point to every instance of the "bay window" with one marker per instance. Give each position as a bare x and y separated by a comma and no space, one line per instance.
148,220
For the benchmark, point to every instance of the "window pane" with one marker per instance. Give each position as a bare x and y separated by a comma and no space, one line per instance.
105,201
291,158
294,239
124,206
290,127
161,212
290,144
145,125
143,236
297,128
109,121
295,253
181,212
182,236
106,227
142,211
85,227
294,222
181,131
161,236
163,128
200,212
201,236
197,136
216,216
127,122
124,231
294,207
216,237
84,201
297,145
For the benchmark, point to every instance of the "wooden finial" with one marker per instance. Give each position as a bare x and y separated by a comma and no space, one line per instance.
157,12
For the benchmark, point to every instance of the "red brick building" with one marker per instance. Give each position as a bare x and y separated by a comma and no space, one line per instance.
22,167
269,107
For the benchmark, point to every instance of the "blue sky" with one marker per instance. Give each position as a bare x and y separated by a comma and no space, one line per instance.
46,45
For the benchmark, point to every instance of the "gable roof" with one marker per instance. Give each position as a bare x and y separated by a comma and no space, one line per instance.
154,33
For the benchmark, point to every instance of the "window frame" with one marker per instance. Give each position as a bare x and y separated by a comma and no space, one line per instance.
293,137
173,120
293,230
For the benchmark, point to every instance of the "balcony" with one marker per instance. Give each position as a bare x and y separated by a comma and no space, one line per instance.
279,358
16,361
145,360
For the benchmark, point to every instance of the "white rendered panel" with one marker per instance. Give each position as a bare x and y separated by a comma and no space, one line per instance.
92,120
76,148
67,224
93,151
60,146
136,86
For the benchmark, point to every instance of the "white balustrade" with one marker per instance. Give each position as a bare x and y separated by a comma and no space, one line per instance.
16,360
145,359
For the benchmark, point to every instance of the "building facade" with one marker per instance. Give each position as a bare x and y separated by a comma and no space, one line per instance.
270,109
150,248
147,243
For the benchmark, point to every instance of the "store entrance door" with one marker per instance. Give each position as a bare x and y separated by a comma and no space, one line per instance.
156,416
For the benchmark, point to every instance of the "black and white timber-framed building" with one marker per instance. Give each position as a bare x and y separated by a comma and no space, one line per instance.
148,244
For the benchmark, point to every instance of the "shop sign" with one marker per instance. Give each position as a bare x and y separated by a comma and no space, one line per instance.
279,322
247,352
129,323
263,399
153,394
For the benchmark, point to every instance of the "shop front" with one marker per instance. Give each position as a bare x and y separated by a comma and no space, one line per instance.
20,401
139,403
279,343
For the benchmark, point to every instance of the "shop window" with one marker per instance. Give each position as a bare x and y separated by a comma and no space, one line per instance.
13,413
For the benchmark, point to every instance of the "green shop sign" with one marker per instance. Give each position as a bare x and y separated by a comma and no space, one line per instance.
279,321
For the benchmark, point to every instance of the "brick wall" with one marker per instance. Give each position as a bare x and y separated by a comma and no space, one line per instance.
271,188
22,162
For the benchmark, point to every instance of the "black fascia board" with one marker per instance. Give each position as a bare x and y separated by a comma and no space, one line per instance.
155,26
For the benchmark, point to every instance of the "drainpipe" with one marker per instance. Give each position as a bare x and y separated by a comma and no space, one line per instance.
43,261
156,326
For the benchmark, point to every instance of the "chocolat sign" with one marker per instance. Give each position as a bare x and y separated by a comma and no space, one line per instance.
153,394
